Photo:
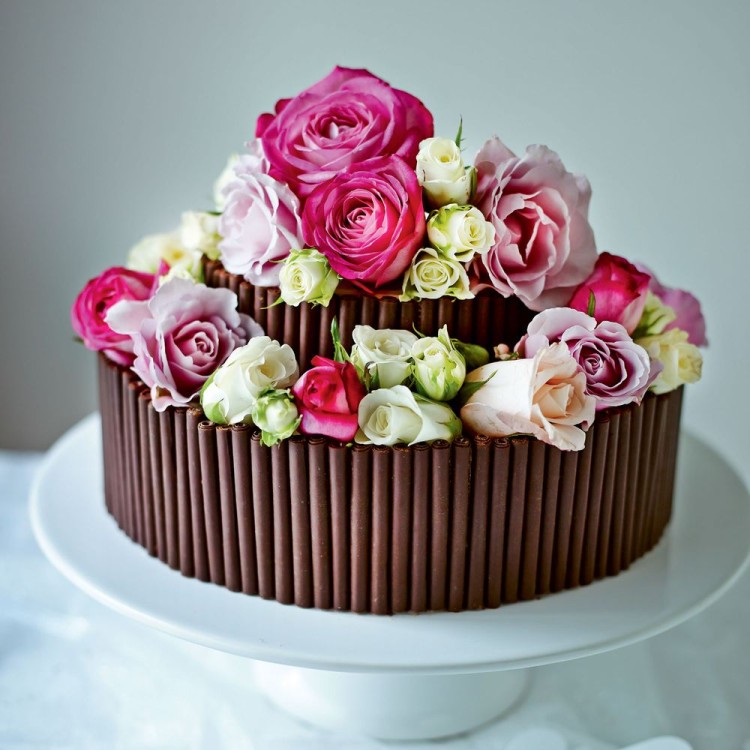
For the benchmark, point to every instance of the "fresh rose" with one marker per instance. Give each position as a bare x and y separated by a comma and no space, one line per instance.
158,253
616,368
431,276
439,368
276,416
544,396
306,276
460,232
442,174
655,318
229,395
259,226
396,415
544,246
328,396
180,336
682,361
384,355
619,291
89,312
199,232
345,119
368,220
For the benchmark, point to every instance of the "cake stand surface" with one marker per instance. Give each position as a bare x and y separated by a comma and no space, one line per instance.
406,676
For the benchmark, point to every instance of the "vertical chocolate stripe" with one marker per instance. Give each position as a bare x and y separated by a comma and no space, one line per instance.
197,516
401,527
299,499
516,511
440,512
444,314
243,496
184,511
211,509
419,587
360,528
648,459
282,523
621,492
564,519
291,326
549,521
157,493
368,311
426,317
320,523
325,342
126,459
459,516
382,480
146,470
594,507
259,311
340,489
260,462
636,437
580,508
478,523
388,313
169,483
605,517
482,328
639,478
407,315
532,523
131,423
229,537
347,319
658,466
501,454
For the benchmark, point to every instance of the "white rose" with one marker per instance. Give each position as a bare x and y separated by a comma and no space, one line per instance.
432,276
148,255
385,354
276,415
460,232
306,276
396,415
439,369
230,394
682,362
441,172
199,232
544,396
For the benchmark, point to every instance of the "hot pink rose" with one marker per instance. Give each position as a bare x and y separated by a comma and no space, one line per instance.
327,397
89,311
180,336
347,118
619,290
617,369
368,220
544,245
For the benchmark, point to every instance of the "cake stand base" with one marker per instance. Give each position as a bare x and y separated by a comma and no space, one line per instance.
392,707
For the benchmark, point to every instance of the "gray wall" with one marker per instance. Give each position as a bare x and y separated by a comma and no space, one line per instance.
114,117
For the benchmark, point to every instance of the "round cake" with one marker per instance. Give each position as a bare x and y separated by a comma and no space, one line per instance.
377,379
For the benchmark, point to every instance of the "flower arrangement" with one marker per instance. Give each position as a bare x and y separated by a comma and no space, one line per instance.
347,185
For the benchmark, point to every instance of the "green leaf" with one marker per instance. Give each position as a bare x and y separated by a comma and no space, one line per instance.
459,135
339,352
469,389
591,310
473,354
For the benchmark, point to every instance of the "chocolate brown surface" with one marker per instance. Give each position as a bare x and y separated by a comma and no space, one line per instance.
473,524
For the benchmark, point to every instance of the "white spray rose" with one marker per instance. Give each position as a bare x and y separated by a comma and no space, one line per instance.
432,276
656,316
230,394
276,415
148,255
460,232
396,415
306,276
199,231
442,174
439,369
681,361
385,354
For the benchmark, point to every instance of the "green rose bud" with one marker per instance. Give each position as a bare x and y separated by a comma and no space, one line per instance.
439,369
655,318
306,276
475,355
432,276
276,416
460,232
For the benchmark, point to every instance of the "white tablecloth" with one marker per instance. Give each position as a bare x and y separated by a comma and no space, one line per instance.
74,674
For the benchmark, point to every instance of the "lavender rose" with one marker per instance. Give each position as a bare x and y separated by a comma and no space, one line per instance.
368,220
260,225
347,118
180,336
544,246
617,369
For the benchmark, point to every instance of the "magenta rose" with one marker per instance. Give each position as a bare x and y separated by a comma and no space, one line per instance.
617,369
368,220
89,311
181,336
544,246
347,118
327,397
619,290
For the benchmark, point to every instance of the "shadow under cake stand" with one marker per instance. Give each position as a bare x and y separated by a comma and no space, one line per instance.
406,676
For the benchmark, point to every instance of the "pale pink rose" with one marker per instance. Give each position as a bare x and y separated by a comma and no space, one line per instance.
181,336
259,226
544,244
544,396
617,369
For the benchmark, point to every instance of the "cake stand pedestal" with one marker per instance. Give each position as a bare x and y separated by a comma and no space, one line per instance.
406,676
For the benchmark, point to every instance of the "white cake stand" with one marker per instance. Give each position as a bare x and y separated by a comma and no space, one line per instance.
401,677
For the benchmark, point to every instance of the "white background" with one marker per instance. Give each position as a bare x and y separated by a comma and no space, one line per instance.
115,117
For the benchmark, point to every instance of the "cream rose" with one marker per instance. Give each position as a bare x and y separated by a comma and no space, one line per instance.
544,396
154,249
432,276
396,415
199,232
230,394
681,361
384,354
460,232
441,172
306,276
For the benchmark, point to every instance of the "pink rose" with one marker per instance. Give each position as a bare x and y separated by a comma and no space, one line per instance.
617,369
180,336
327,397
368,220
619,290
544,246
347,118
686,306
544,396
89,311
260,225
